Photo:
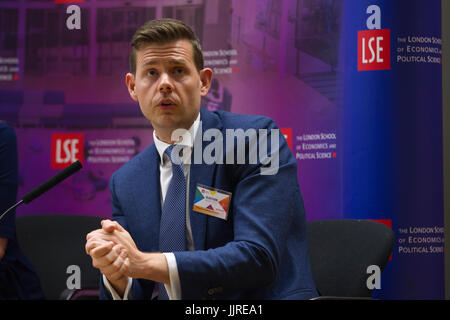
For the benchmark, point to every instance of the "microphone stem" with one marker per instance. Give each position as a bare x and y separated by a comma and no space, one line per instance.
14,206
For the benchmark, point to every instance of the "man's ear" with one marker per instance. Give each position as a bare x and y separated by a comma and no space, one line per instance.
129,79
205,78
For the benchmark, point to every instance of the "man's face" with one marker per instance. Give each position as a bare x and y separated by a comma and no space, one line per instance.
168,86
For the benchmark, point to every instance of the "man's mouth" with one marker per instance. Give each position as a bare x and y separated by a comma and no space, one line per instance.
166,103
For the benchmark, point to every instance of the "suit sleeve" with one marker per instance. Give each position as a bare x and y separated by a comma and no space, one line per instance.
139,290
263,207
117,215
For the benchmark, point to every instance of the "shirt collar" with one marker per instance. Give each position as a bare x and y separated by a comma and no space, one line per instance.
187,141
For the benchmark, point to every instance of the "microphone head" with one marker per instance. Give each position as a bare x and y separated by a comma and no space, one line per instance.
77,164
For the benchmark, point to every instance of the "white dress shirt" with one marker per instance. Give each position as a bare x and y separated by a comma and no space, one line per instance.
165,168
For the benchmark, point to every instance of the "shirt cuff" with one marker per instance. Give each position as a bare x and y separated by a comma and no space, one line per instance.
114,294
174,288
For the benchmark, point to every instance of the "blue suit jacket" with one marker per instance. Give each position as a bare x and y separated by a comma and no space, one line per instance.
17,277
259,252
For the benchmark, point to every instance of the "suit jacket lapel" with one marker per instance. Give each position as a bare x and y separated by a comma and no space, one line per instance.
201,174
148,201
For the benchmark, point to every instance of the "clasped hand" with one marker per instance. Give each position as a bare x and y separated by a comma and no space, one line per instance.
112,250
115,254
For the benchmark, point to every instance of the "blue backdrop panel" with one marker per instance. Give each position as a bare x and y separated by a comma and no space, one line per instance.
392,125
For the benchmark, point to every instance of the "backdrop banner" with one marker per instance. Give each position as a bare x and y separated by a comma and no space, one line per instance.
392,135
354,85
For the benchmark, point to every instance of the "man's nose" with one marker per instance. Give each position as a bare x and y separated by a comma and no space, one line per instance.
165,85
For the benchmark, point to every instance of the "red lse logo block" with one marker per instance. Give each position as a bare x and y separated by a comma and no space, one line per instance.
287,133
387,222
66,149
374,50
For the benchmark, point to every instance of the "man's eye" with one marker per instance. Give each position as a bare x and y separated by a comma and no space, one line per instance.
151,72
179,70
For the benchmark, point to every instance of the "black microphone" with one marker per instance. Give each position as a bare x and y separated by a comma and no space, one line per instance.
47,185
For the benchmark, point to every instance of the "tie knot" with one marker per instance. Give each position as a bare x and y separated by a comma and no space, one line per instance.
175,153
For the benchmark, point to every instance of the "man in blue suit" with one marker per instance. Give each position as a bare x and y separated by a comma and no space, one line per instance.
17,277
243,221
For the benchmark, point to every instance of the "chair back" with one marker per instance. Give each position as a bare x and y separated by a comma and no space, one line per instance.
52,243
342,250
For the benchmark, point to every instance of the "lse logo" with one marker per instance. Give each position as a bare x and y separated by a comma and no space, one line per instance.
374,50
374,45
287,133
66,149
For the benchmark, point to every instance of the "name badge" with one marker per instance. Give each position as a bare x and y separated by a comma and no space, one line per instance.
211,201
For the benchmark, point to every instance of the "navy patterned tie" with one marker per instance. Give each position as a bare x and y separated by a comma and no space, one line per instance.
172,230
